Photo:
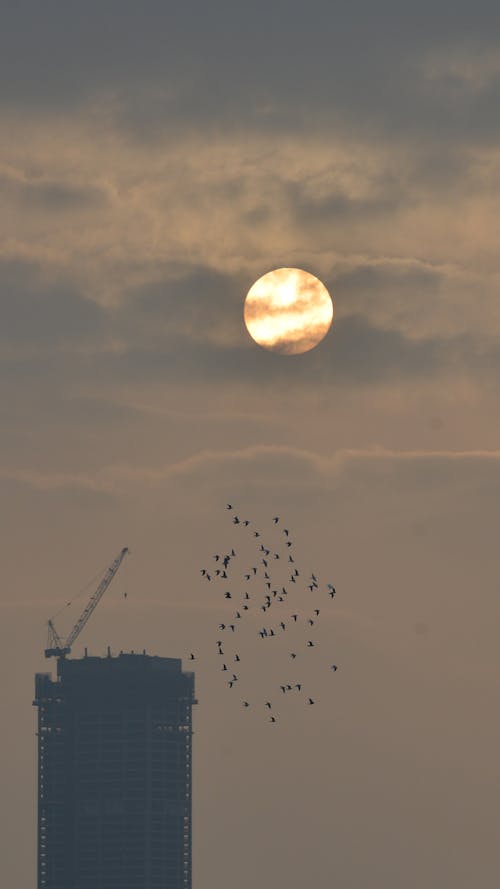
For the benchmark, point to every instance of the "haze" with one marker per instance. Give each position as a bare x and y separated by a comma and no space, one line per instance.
156,160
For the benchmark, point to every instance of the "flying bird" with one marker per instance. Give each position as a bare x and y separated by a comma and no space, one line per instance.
276,519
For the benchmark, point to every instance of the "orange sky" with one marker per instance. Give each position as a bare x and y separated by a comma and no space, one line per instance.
151,170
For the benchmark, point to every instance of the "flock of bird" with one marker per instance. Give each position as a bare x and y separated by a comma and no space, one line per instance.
279,605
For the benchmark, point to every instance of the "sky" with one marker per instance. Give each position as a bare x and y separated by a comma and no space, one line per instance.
156,159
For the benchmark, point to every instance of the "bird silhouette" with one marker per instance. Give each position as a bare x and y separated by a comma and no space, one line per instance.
310,701
192,657
333,667
276,519
310,644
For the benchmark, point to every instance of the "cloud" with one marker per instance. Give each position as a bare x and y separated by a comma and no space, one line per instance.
39,314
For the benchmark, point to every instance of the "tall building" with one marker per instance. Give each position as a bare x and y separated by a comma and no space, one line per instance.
114,773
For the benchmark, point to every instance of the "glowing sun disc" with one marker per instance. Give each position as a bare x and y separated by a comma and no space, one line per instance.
288,311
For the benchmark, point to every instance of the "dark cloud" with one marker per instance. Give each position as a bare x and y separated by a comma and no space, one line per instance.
257,66
37,313
51,195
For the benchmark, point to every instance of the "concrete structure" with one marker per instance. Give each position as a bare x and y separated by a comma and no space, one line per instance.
114,773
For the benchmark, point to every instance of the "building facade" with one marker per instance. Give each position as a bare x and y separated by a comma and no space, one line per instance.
114,773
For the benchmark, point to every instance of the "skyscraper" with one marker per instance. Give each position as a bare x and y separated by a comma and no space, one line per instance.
114,773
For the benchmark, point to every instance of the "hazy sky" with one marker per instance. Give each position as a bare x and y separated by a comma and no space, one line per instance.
156,159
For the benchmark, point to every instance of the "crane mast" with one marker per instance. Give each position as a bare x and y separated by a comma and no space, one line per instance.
56,647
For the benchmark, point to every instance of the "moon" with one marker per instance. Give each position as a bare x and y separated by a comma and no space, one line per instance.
288,311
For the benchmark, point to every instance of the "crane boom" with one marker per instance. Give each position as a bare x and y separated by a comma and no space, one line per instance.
58,648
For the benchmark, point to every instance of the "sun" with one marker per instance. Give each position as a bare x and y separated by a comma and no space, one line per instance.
288,311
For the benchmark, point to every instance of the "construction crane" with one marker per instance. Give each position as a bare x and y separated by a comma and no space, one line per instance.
55,645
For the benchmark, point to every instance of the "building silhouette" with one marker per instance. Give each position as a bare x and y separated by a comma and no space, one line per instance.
114,773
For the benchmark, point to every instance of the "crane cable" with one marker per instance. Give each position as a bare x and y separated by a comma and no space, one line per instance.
82,591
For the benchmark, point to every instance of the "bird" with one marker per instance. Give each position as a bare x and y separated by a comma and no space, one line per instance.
247,576
276,519
224,668
236,520
192,657
293,655
246,704
310,701
235,678
282,625
220,651
283,688
289,543
276,555
264,563
228,506
222,626
285,531
217,557
125,595
223,575
254,570
231,683
232,627
310,644
268,704
316,611
256,534
298,686
313,577
238,615
333,667
296,573
294,616
310,622
227,596
246,523
332,593
292,579
272,719
291,559
237,657
247,596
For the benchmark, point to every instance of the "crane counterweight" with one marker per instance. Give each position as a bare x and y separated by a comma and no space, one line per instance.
56,647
